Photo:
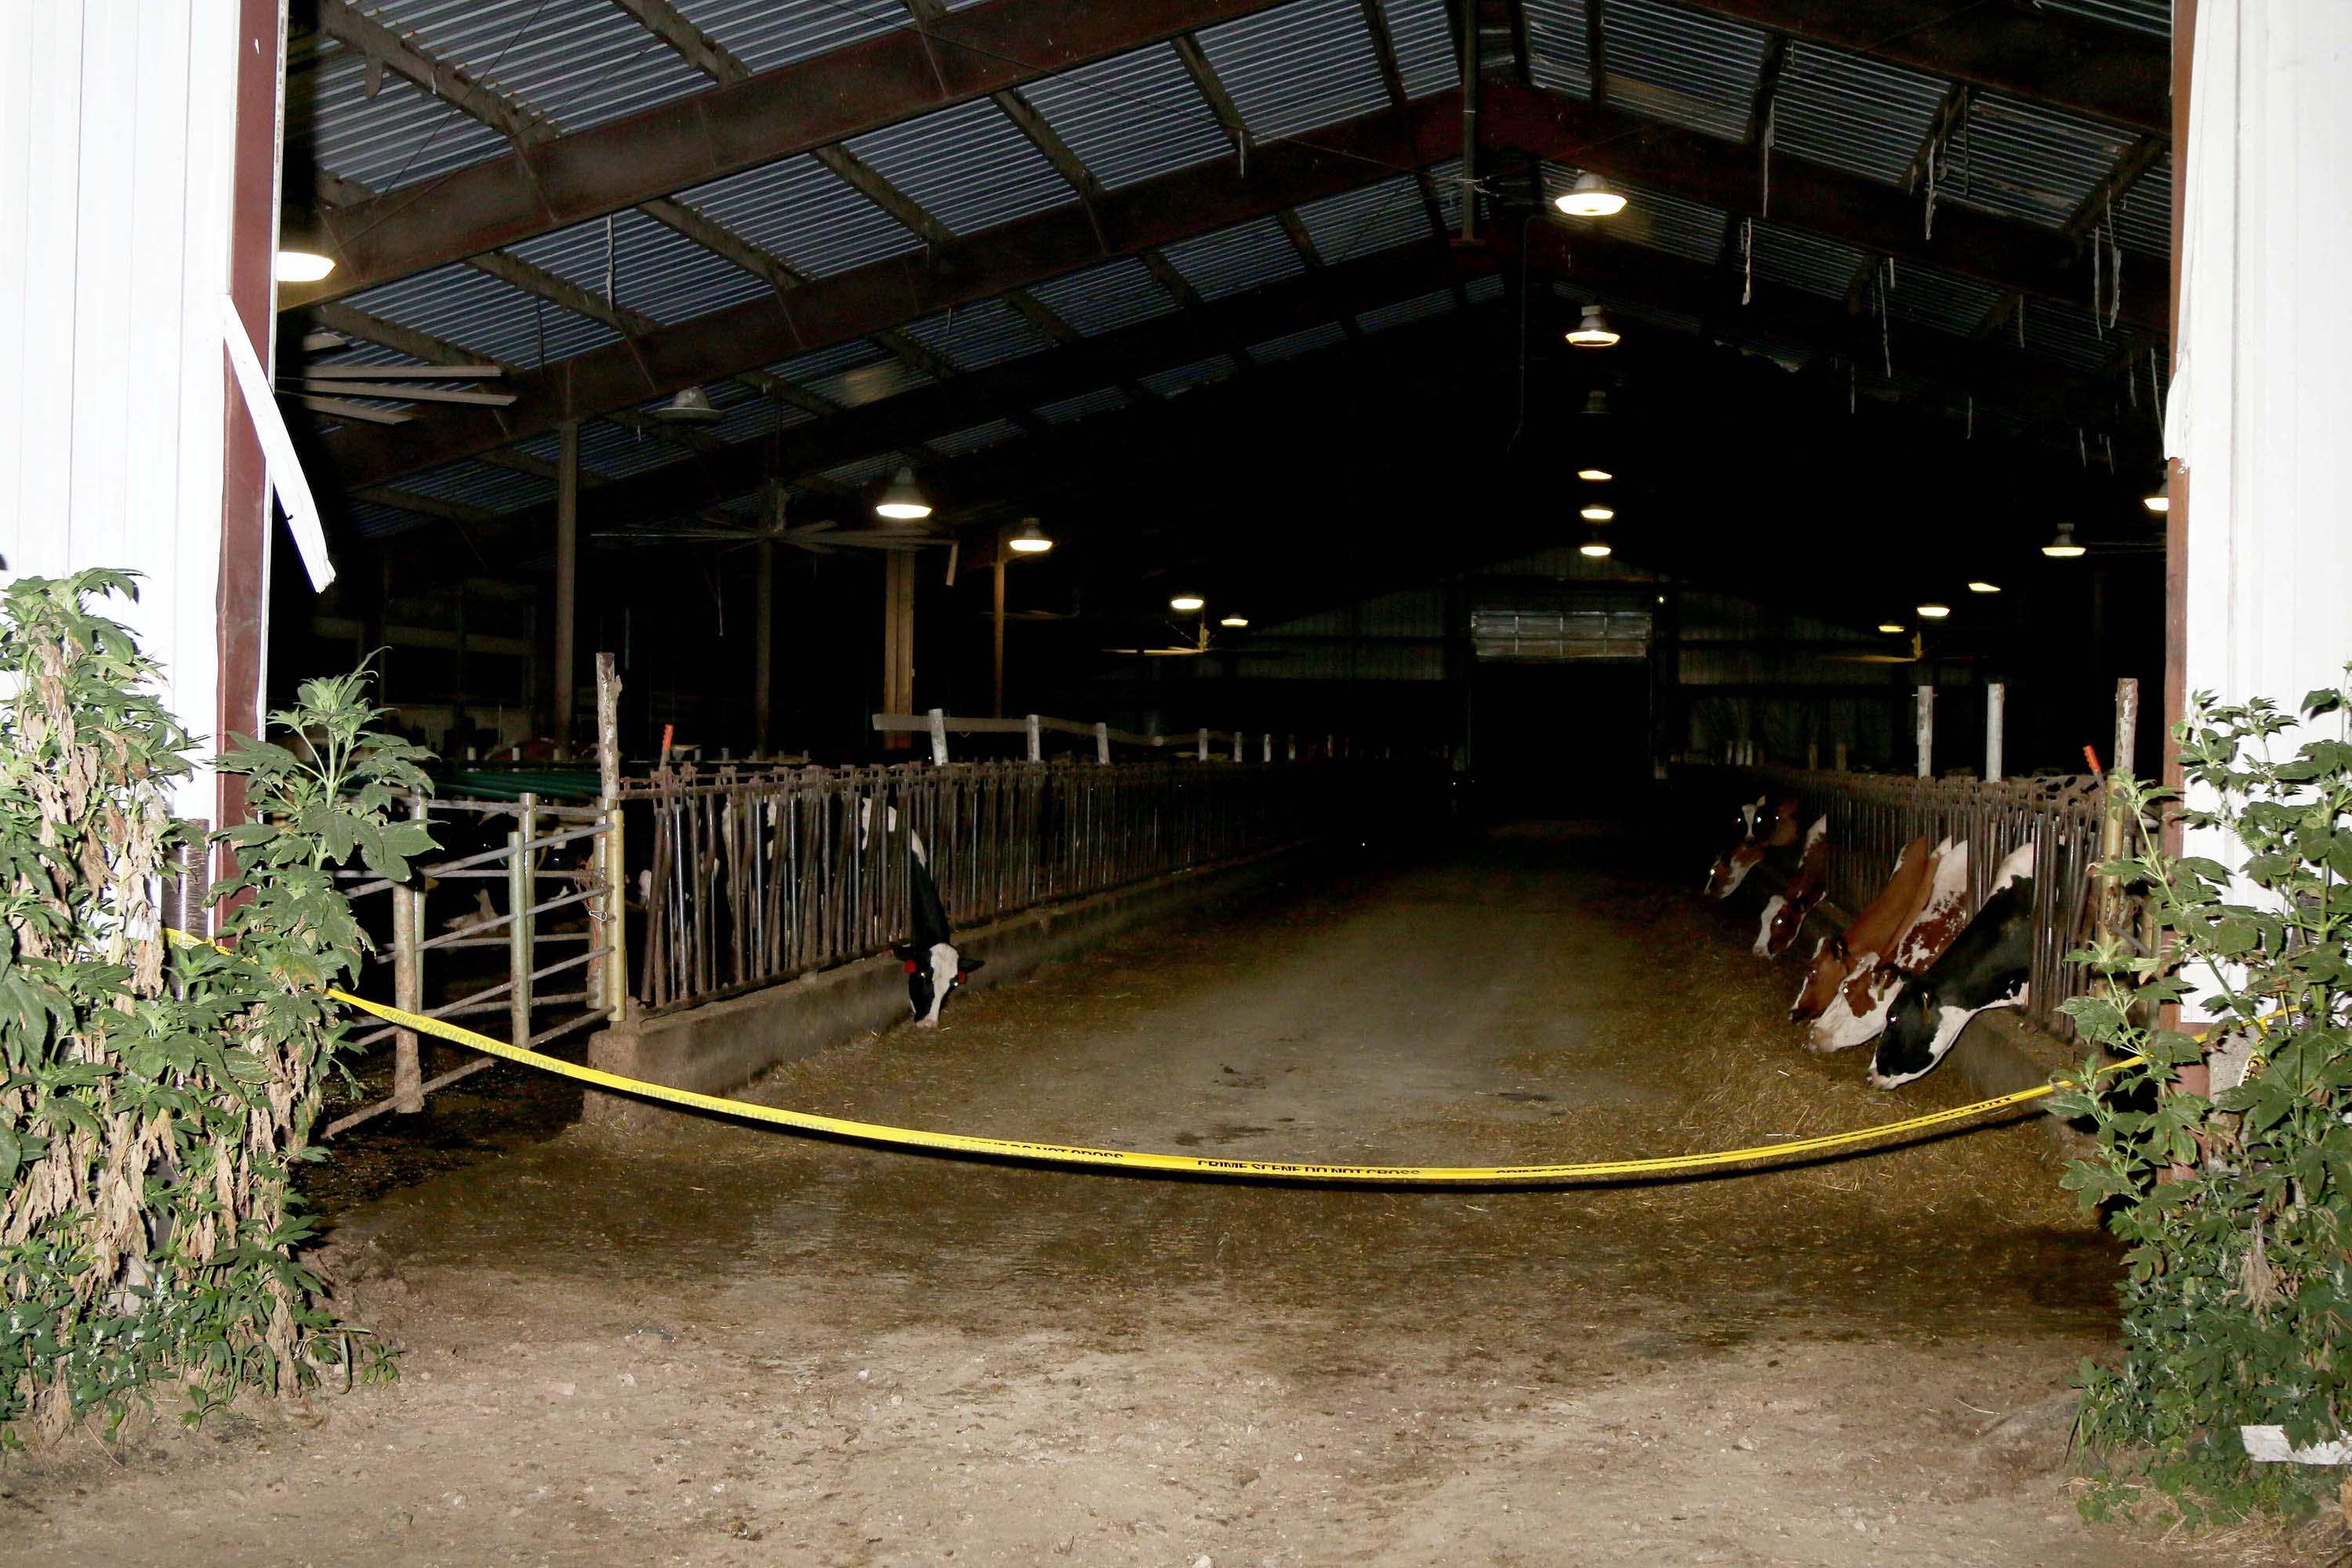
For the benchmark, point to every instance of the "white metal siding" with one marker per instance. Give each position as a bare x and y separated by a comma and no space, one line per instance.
117,129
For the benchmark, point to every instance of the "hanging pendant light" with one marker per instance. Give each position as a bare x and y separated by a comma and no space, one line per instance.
1890,626
1185,604
1029,541
1934,612
1594,332
2160,500
691,407
904,501
1983,588
303,265
1590,197
1598,513
1595,475
1595,548
2063,548
1236,622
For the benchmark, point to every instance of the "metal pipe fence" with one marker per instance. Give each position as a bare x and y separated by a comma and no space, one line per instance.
749,880
1873,816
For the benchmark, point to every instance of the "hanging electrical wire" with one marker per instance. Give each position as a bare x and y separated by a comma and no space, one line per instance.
1771,123
1747,260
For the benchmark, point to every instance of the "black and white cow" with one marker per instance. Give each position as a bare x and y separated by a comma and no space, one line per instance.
1986,966
934,967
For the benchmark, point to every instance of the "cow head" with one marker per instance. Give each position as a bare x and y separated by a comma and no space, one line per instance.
1731,869
1822,977
1784,917
932,972
1918,1033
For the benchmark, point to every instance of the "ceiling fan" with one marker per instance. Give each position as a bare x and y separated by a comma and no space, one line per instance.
329,389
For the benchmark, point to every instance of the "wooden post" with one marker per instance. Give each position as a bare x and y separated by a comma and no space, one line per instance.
2126,724
897,643
610,975
1267,755
521,893
1996,703
1927,735
408,981
1036,741
1102,742
1201,753
1290,747
567,576
1840,756
939,736
763,654
1812,755
997,625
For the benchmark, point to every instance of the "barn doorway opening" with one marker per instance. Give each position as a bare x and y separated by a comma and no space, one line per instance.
1561,699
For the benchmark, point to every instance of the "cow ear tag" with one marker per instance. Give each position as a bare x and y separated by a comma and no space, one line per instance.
910,966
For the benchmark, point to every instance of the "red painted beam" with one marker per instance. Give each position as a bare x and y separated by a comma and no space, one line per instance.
2005,252
870,298
961,56
2046,56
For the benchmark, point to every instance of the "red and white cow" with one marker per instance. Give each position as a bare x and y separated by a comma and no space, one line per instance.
1765,831
1873,934
1785,911
1858,1013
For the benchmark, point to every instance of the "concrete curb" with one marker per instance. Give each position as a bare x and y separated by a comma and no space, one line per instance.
721,1045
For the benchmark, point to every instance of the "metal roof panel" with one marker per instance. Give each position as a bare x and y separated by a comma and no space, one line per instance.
2144,215
1377,216
655,269
1184,377
2153,16
482,315
1420,307
470,483
863,383
974,438
2028,161
1422,32
1103,400
1558,45
798,210
1232,259
1290,345
577,62
1852,112
1677,66
1114,294
979,334
1804,261
1296,66
968,166
1942,299
397,138
1130,117
764,35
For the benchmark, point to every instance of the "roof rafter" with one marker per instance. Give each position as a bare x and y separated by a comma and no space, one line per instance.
795,108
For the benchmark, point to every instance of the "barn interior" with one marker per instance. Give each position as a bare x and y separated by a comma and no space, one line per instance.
1317,512
1268,306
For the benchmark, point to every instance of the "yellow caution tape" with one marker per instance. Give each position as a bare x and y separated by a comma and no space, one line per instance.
1787,1153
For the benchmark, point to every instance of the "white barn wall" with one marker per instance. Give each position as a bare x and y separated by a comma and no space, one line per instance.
117,136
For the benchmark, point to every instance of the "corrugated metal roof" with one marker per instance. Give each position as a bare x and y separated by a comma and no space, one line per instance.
974,438
805,368
1114,294
402,135
657,270
979,334
1184,377
2140,16
862,384
479,314
968,167
1422,34
1852,112
1103,400
2065,333
1420,307
1681,67
1561,57
1377,216
1805,260
1296,66
1290,345
578,62
372,520
1652,218
1942,299
799,210
1232,259
614,450
764,35
2144,215
1622,310
2030,161
1130,117
480,485
1487,289
865,471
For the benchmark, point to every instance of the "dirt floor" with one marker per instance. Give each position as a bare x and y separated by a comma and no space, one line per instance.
714,1344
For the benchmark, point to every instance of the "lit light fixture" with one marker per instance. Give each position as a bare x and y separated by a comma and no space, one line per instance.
303,265
1598,513
903,501
1890,626
1596,547
1187,603
1590,197
1595,475
2160,503
1984,587
2064,547
691,407
1593,331
1029,541
1934,612
1236,622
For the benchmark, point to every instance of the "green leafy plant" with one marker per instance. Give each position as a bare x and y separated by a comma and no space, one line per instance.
155,1095
2236,1204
